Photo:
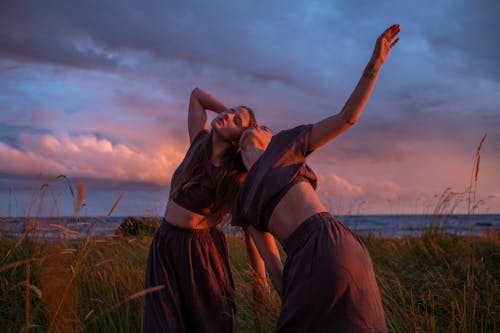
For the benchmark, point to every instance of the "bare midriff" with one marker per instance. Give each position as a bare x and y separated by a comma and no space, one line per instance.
298,204
183,218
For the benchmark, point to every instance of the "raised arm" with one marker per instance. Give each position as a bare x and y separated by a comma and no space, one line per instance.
199,102
328,128
266,246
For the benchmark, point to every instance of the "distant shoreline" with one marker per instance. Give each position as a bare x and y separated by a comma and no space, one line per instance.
159,216
393,226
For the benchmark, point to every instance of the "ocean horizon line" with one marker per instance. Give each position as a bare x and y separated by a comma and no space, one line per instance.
160,216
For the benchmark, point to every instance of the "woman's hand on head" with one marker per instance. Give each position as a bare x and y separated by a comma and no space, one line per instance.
199,102
384,44
246,132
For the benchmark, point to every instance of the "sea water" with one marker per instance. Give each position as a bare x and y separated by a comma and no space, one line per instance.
386,225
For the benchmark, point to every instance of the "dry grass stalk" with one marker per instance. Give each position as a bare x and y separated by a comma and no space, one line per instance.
14,264
31,286
69,185
80,196
144,292
66,230
478,154
116,203
471,199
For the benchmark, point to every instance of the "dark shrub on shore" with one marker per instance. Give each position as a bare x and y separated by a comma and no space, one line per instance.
133,226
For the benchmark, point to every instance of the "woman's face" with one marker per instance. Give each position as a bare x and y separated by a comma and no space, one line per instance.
229,125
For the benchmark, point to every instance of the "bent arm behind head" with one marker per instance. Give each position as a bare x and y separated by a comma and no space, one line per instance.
199,102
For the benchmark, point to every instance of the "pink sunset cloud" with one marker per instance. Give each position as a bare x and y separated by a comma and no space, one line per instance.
88,156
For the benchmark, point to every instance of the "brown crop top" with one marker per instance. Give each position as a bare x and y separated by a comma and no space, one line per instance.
281,166
200,198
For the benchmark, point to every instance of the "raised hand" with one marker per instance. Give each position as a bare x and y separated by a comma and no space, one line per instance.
330,127
385,43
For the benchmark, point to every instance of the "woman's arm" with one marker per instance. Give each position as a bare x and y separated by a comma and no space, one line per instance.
328,128
260,285
269,254
199,102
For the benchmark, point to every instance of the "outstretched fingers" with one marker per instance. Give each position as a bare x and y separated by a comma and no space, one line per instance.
392,27
385,42
394,42
392,32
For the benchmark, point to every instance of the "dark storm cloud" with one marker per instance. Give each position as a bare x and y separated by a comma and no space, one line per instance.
468,33
458,33
299,43
36,33
265,40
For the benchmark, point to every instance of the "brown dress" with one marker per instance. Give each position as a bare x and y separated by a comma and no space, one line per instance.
192,266
328,281
198,293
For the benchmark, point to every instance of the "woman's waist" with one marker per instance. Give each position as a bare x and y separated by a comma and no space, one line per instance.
295,207
183,218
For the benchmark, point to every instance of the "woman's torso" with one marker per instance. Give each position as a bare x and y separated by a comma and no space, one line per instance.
190,208
181,217
297,204
278,193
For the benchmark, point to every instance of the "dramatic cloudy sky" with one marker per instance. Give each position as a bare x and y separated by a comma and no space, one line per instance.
98,91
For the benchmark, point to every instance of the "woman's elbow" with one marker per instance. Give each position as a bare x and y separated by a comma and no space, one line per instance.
349,120
195,92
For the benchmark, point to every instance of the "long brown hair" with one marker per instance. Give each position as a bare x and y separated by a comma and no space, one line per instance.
228,180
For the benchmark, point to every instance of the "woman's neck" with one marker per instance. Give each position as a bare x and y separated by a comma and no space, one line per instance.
218,148
251,155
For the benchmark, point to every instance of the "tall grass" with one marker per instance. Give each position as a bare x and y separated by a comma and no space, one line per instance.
439,282
434,283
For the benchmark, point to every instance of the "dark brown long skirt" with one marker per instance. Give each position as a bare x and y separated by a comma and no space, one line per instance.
328,281
198,293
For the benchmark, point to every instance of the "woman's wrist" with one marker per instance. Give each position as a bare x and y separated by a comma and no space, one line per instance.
372,68
208,101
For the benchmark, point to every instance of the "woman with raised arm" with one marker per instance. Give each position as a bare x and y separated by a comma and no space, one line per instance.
188,276
328,281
